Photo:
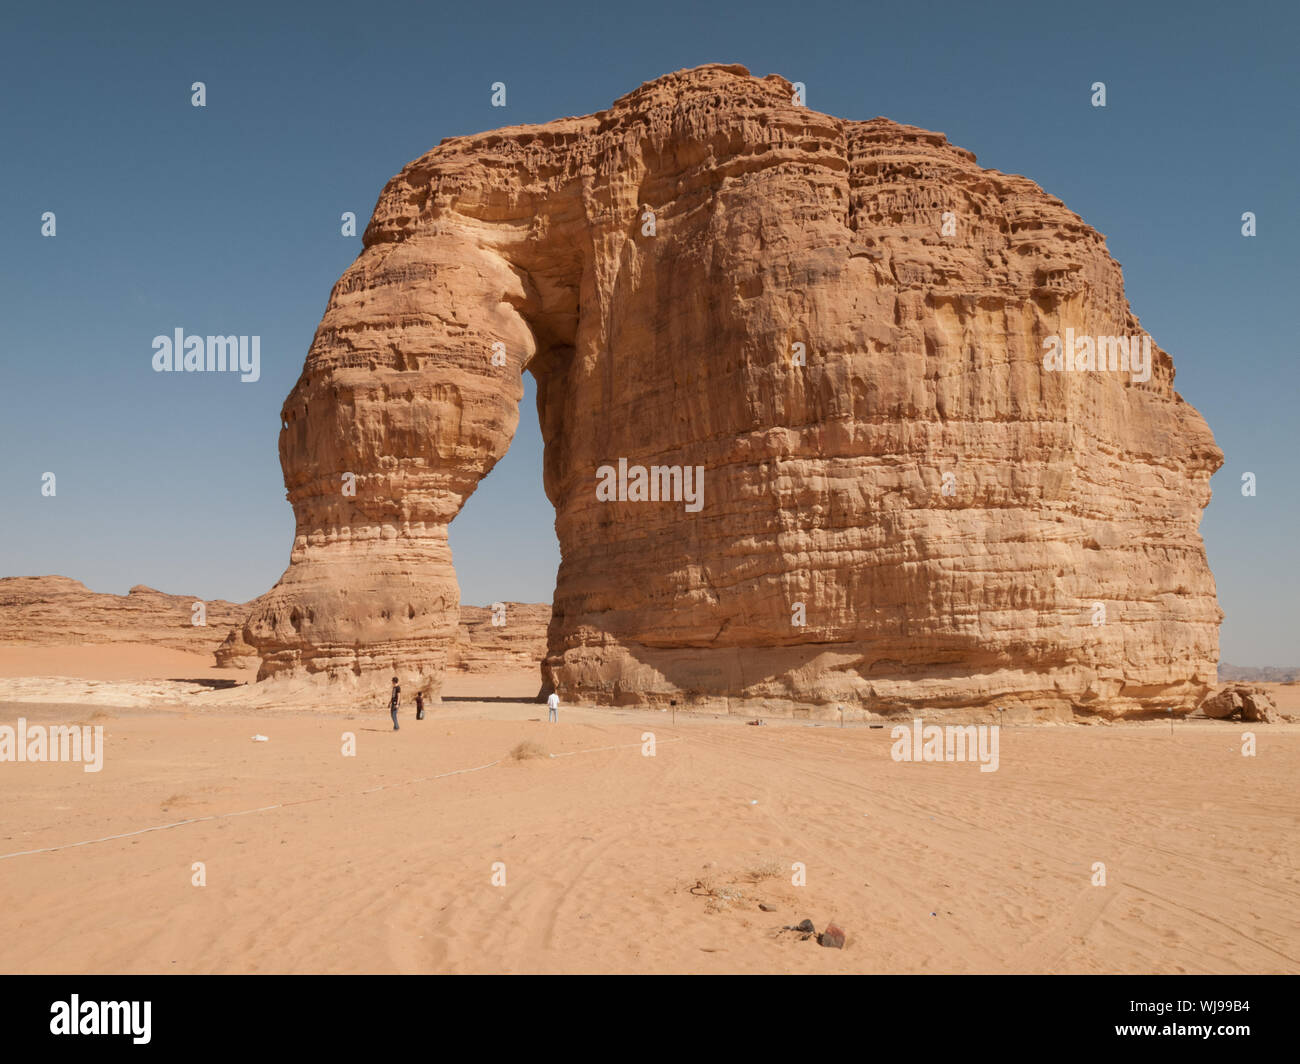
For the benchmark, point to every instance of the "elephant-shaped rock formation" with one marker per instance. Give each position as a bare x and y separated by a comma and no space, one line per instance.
833,332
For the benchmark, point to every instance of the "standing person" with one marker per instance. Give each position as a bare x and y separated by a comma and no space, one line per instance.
419,705
392,703
553,707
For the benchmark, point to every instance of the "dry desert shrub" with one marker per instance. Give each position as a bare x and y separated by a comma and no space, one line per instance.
527,750
767,869
720,895
720,898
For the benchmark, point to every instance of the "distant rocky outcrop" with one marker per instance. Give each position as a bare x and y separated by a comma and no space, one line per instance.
56,610
50,610
846,329
1258,673
517,641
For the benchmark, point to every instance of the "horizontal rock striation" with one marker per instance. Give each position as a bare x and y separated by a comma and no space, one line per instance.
513,638
57,610
843,325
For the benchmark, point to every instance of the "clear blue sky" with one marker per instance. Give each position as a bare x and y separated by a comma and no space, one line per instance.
226,220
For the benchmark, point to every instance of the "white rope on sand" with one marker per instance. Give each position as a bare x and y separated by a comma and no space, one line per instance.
301,801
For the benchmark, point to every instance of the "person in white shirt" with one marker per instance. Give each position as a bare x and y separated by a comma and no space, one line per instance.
553,707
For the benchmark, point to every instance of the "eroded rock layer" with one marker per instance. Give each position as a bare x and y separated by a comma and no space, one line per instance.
944,513
57,610
509,638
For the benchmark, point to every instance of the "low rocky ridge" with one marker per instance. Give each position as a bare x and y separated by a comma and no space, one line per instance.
57,610
517,640
1258,673
60,611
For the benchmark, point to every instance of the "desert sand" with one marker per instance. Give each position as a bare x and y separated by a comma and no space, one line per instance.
620,862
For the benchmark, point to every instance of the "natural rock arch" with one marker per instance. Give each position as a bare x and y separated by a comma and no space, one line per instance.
824,483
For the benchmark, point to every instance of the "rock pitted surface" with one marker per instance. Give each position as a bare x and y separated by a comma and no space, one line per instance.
945,512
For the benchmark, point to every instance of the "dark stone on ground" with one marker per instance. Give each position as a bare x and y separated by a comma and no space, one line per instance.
832,937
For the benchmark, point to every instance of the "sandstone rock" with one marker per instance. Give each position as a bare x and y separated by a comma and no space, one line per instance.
234,653
832,937
56,610
1245,701
519,643
1258,706
1222,705
942,512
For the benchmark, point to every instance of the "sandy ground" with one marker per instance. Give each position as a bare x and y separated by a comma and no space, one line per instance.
619,862
113,661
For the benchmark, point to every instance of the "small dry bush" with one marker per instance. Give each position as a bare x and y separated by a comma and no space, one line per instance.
766,870
720,895
527,750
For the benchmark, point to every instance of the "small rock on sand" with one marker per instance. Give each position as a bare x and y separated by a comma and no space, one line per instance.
832,937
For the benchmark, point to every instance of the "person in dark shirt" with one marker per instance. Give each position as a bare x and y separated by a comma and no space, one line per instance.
392,704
